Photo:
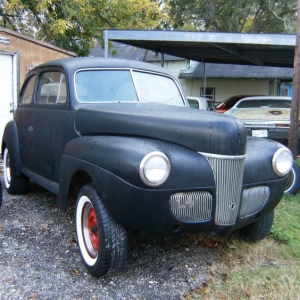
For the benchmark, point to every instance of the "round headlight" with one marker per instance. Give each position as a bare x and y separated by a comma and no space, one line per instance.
282,161
155,168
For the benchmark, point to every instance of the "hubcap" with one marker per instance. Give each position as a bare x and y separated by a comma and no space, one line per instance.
90,229
6,169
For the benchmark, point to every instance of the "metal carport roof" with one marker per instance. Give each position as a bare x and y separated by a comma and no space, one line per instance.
213,47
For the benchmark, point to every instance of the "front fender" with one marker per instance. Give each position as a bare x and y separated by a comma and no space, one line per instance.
258,164
10,141
121,156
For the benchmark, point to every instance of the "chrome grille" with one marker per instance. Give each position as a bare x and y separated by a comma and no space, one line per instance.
228,175
192,206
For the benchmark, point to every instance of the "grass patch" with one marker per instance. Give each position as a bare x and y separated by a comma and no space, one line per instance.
269,269
286,227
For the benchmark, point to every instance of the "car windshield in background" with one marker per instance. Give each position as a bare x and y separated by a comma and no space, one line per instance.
264,103
96,86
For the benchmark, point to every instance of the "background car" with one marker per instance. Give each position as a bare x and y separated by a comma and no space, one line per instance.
230,102
201,103
264,116
268,117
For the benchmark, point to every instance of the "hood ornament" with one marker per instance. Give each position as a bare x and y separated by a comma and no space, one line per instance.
275,112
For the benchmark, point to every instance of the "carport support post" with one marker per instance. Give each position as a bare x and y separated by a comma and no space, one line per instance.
162,63
204,80
294,116
105,43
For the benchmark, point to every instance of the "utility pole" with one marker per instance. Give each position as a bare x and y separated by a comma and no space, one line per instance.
294,116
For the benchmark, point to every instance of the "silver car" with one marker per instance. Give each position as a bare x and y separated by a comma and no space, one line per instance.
268,117
264,116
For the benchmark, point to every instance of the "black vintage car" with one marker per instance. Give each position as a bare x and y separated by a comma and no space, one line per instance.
99,130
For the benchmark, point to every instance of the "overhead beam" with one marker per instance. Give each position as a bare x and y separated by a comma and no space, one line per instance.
234,50
202,37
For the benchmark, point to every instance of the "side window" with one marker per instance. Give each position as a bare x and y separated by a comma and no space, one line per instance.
27,93
52,88
193,103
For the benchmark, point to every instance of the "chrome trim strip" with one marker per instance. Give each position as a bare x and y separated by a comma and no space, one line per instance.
219,156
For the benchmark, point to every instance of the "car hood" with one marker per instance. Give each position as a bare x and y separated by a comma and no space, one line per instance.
262,114
200,130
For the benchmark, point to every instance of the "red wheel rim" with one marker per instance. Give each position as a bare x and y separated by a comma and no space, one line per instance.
93,229
90,230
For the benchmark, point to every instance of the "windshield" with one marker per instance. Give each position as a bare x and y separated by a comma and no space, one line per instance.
96,86
157,88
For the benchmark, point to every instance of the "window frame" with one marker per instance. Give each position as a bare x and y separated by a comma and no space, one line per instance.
24,88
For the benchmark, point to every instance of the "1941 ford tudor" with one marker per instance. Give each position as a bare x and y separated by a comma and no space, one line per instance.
118,137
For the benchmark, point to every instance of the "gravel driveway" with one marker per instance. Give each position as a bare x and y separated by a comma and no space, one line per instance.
39,257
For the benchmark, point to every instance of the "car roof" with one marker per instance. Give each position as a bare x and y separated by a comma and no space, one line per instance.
234,97
198,98
266,98
76,63
259,98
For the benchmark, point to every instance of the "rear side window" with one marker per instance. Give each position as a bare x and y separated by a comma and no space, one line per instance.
52,88
27,93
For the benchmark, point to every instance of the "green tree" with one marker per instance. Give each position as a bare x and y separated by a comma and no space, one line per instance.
255,16
75,24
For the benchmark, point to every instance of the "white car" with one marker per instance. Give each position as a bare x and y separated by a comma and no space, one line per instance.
264,116
201,103
268,117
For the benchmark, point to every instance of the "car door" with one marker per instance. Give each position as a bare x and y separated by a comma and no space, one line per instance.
41,125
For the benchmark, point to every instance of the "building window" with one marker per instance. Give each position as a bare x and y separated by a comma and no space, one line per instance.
209,93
